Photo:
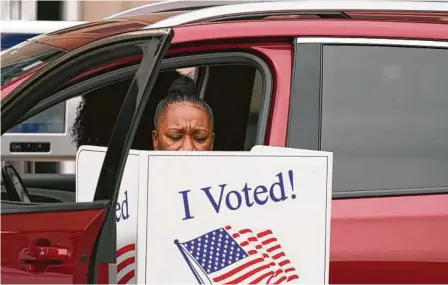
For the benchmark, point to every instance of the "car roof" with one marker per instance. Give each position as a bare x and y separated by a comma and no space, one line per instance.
177,6
332,9
186,12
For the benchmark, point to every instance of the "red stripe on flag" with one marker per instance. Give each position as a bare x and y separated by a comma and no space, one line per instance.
293,277
124,249
289,269
273,248
125,263
227,227
248,274
125,279
261,278
265,233
245,231
278,272
236,235
269,241
238,269
277,256
280,280
284,262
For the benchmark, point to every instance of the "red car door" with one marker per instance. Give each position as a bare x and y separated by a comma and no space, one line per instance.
69,243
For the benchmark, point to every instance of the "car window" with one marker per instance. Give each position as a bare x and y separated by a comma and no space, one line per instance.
43,147
384,114
234,130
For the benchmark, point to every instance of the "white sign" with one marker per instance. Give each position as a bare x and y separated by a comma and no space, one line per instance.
221,217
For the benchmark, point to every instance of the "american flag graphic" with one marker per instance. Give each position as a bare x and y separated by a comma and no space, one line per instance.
228,256
126,263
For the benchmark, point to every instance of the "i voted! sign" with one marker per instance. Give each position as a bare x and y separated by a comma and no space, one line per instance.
88,165
259,217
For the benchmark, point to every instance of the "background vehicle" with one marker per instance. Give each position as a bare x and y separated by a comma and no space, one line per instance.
365,80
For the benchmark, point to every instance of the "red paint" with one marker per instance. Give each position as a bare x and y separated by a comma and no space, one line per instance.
75,231
390,240
292,28
103,273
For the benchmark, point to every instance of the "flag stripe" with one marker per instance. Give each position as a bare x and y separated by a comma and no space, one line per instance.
261,278
238,269
248,274
293,277
126,248
265,242
283,278
125,263
264,233
278,255
125,279
275,247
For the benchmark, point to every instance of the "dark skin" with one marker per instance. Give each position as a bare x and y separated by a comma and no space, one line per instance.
184,127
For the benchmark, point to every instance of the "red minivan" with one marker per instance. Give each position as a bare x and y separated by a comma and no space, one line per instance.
367,81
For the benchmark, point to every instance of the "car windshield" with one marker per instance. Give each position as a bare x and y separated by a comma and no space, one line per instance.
24,58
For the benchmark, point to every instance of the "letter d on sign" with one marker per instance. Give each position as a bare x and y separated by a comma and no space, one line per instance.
125,207
280,195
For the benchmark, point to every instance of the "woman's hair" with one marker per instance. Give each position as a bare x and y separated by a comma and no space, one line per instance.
99,109
183,90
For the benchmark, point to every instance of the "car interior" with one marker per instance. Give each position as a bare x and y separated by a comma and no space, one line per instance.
233,91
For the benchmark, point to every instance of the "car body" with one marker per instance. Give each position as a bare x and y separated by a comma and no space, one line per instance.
389,210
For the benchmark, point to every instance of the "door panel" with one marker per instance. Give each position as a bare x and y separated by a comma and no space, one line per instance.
66,239
396,232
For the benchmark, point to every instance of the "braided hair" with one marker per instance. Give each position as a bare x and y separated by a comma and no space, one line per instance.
183,90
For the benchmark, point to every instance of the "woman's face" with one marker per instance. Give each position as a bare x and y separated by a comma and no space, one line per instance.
183,126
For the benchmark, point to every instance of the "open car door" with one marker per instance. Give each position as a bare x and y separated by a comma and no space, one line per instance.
69,243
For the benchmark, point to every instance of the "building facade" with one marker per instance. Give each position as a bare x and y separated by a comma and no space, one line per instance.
71,10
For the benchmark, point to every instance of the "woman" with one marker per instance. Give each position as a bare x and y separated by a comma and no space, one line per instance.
183,121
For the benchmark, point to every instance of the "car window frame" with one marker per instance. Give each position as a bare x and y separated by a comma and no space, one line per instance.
305,108
175,62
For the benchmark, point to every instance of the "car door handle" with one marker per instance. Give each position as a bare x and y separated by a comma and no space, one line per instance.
44,255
